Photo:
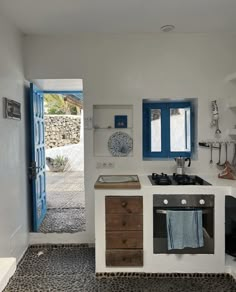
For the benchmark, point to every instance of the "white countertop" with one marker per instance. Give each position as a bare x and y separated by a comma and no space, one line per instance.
228,187
213,180
219,182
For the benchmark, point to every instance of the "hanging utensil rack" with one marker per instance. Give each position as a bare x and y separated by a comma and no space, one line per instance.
215,144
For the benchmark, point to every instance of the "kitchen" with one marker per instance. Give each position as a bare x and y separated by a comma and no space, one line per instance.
124,58
131,226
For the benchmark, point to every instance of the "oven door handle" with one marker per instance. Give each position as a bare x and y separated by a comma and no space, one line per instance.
164,211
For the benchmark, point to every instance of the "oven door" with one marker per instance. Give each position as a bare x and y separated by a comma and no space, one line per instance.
160,240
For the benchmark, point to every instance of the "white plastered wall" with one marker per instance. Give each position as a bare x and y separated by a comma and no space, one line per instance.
124,69
14,223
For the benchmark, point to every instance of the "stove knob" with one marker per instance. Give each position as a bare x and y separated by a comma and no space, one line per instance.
202,202
183,202
165,202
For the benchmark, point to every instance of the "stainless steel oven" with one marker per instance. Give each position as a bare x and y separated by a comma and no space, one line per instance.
163,203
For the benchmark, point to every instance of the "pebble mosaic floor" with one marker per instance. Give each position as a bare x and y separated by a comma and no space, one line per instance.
65,203
72,269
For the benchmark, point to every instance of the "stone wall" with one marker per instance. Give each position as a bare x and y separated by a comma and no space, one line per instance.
62,130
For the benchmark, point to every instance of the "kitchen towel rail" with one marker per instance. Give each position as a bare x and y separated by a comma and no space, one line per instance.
164,211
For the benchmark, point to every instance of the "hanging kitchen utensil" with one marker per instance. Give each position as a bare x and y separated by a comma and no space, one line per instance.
218,131
211,148
226,152
215,117
219,163
207,145
222,166
234,157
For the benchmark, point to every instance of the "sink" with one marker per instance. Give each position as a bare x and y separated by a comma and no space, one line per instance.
117,182
118,178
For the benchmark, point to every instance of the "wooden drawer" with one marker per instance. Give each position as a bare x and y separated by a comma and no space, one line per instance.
124,258
124,222
124,205
124,239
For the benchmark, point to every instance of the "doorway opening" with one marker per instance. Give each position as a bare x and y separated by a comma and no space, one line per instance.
64,156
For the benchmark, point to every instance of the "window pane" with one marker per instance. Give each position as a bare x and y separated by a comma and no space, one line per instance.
180,132
155,130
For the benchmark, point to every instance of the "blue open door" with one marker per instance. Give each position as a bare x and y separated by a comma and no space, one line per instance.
37,167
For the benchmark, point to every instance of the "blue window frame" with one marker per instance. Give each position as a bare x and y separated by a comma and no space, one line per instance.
167,129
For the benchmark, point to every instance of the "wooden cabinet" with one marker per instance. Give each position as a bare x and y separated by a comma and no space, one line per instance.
124,205
124,231
124,222
124,258
124,239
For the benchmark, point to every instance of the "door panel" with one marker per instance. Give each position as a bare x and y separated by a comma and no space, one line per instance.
37,167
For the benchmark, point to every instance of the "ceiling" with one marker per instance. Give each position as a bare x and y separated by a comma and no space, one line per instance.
58,17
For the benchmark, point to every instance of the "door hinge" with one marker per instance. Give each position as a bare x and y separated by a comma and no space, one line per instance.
33,170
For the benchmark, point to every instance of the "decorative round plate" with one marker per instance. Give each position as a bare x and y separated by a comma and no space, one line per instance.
120,144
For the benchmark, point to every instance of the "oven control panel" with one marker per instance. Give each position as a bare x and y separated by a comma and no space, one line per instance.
178,200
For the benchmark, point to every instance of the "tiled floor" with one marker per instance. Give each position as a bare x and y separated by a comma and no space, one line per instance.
65,202
71,269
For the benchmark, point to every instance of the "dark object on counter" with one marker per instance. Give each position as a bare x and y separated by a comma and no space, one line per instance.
176,179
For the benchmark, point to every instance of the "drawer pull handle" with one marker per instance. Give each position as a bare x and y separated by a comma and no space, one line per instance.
124,204
124,241
123,259
123,223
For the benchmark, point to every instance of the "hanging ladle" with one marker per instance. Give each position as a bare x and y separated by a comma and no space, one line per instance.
218,163
221,166
234,158
211,149
218,131
226,152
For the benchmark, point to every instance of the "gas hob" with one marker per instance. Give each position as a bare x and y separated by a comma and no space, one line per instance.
176,179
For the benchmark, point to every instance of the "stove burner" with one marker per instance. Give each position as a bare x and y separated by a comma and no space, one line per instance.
184,179
161,179
176,179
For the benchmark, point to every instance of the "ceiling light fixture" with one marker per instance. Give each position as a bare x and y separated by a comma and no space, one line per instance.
167,28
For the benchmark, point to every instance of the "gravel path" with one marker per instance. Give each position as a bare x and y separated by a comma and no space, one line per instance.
65,203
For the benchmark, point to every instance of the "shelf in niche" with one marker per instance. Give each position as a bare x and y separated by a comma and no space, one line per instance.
103,116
